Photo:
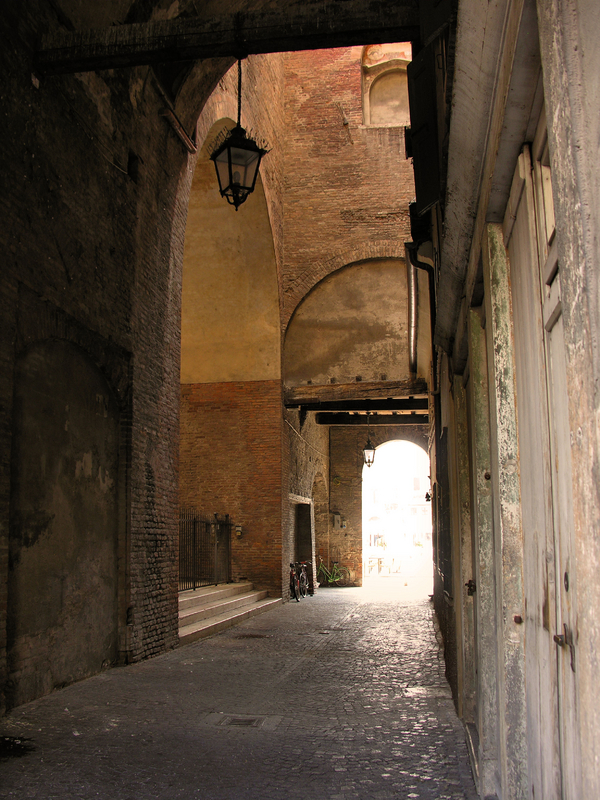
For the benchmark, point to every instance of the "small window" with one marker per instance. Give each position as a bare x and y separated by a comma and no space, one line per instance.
385,87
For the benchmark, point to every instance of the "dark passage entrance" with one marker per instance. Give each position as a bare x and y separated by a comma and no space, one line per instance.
303,533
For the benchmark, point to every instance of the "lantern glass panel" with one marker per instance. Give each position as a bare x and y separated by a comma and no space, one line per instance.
244,164
222,165
369,454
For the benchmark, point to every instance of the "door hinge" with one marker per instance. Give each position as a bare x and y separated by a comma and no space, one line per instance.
566,640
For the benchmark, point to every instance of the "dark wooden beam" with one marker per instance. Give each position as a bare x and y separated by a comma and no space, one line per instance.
389,404
374,419
306,26
361,390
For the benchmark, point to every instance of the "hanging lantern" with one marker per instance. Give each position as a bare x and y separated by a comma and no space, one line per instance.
369,449
237,160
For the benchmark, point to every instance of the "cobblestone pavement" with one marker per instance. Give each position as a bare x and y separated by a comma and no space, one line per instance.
339,697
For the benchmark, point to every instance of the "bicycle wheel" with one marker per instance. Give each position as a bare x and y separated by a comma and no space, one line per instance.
295,589
303,585
343,578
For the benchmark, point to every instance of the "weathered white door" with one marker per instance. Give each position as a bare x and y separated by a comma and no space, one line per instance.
545,453
565,635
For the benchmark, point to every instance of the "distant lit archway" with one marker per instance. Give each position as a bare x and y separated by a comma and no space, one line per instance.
396,516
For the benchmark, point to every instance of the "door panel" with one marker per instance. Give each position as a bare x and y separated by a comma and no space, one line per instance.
520,235
566,623
546,485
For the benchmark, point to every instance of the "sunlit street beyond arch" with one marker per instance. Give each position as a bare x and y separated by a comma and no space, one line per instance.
396,522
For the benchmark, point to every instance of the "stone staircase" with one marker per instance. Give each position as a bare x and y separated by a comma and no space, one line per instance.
210,609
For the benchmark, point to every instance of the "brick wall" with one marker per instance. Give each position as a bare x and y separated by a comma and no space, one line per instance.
231,455
306,476
93,214
347,186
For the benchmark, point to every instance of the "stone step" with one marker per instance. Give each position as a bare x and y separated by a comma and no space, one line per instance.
220,605
210,594
219,622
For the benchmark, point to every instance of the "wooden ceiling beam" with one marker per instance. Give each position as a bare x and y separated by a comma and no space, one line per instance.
374,419
306,26
363,391
402,405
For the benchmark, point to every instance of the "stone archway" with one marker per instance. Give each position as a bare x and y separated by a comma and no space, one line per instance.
63,575
345,499
396,512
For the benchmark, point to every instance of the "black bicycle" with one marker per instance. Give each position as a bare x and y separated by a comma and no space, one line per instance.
302,578
294,582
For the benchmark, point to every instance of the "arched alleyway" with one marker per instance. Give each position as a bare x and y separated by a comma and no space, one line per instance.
341,696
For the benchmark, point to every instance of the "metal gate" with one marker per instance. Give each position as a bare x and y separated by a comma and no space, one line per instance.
204,549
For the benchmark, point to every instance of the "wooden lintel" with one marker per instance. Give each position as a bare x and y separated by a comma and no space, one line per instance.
361,390
374,419
329,23
402,405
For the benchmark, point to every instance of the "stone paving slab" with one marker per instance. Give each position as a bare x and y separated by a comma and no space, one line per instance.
339,697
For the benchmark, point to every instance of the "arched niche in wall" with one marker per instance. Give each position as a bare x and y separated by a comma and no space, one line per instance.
62,579
385,86
230,327
353,324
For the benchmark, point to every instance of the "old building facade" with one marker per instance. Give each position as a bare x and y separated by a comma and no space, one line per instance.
160,350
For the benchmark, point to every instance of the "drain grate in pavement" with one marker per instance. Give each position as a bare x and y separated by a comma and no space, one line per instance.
426,691
11,747
252,636
243,722
267,722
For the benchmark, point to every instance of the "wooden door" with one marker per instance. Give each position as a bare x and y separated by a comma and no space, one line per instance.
565,622
544,448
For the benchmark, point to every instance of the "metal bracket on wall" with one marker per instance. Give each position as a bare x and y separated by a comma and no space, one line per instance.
566,640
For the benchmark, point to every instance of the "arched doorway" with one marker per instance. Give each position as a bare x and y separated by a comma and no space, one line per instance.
396,516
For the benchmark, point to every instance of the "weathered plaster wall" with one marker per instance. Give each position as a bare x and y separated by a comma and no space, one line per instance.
62,577
91,232
230,302
353,324
263,92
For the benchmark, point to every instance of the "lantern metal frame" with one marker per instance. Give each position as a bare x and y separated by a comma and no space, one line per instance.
369,448
237,159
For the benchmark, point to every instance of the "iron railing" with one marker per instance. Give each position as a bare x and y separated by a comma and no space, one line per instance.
204,549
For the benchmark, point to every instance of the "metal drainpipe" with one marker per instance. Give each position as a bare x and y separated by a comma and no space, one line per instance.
413,300
412,250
